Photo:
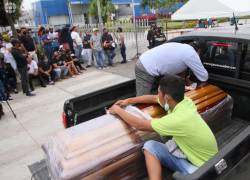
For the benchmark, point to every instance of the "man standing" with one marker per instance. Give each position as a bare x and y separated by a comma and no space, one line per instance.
121,41
107,41
28,44
87,51
77,42
150,36
190,147
47,44
21,62
96,45
169,58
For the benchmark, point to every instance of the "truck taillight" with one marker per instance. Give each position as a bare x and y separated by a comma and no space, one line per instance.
64,118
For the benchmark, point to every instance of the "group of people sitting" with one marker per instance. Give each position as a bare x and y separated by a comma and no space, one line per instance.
49,56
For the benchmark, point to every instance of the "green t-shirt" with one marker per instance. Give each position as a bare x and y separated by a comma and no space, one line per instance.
189,130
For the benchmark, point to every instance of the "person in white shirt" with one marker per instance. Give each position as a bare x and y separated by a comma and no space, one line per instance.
34,73
77,42
169,58
8,58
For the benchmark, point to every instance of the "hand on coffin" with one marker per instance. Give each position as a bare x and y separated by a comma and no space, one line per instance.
113,110
188,88
122,103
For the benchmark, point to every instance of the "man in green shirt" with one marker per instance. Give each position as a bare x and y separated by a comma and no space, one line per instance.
193,142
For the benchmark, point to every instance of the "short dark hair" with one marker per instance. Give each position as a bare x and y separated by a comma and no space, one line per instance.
174,86
14,42
199,45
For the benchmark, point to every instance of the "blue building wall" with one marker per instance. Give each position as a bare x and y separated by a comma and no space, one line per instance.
43,9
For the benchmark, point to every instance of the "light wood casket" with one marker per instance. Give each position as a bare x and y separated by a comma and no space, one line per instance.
107,148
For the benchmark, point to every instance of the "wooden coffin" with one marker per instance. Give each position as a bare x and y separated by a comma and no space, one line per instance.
107,148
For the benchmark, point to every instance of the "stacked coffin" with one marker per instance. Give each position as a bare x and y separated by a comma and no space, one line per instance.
107,148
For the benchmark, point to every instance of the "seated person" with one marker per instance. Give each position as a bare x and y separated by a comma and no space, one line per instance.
77,63
45,69
71,57
59,67
34,73
193,142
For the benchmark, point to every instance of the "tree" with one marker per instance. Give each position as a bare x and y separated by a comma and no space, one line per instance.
106,8
157,4
9,19
153,4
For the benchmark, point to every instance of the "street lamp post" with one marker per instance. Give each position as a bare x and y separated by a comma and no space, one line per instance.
99,15
70,13
136,38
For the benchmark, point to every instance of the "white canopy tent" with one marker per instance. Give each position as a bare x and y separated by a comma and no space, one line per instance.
202,9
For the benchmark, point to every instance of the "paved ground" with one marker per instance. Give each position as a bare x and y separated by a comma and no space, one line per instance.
39,117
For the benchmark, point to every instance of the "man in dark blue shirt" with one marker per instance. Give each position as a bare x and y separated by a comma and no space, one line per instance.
21,62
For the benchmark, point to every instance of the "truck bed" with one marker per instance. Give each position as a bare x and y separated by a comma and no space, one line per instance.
233,128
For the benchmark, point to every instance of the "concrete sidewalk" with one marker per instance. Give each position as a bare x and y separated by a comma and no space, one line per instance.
39,117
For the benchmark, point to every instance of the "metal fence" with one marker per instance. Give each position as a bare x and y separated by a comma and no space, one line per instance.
135,34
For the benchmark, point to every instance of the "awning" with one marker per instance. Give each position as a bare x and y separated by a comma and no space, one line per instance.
202,9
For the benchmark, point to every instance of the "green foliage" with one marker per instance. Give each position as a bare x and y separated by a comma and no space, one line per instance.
106,8
157,4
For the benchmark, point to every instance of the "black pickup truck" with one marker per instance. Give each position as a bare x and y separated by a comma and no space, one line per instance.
227,60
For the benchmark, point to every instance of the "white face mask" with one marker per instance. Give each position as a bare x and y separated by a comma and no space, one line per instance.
166,107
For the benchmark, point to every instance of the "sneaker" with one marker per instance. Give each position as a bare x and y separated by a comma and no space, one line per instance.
51,83
123,62
9,98
100,68
88,66
15,91
30,94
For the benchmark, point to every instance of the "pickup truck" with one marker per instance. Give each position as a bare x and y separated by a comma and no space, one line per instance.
227,60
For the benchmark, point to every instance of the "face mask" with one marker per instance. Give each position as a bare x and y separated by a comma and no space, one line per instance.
166,107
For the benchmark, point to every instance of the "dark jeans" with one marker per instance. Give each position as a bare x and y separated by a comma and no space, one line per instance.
123,52
39,77
48,52
24,79
49,78
110,53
